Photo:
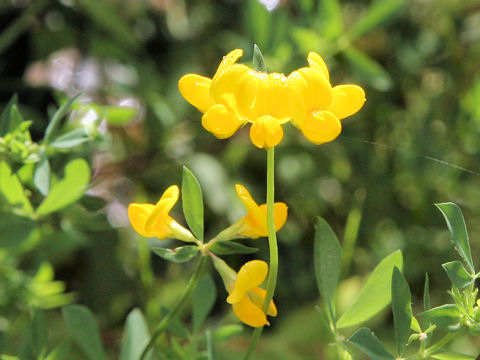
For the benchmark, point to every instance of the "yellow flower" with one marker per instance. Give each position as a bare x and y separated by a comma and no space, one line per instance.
315,106
154,220
254,225
246,297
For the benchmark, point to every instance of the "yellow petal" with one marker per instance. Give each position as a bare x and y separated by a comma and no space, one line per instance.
230,59
246,94
316,61
138,214
249,313
266,132
221,121
321,127
318,94
257,295
255,223
346,100
250,275
162,207
280,211
296,89
196,90
271,98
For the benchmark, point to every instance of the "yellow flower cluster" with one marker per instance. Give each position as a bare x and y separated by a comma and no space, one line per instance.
238,95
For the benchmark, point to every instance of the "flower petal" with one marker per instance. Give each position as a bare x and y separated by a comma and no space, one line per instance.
255,223
257,295
321,127
346,100
250,275
221,121
162,207
196,90
318,94
138,214
266,132
316,61
249,313
280,211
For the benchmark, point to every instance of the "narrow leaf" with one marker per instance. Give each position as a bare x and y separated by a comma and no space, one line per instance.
5,117
426,293
41,176
204,298
226,332
135,337
231,247
192,202
402,310
377,13
368,343
12,189
330,16
71,139
258,60
14,229
67,190
84,328
458,230
445,316
57,116
375,295
327,261
368,69
178,255
61,352
457,274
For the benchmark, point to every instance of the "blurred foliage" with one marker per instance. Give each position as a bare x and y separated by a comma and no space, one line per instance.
416,142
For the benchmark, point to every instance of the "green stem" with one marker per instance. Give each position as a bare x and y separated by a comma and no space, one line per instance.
178,307
272,245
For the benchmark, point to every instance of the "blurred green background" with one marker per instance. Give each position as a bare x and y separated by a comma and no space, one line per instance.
416,142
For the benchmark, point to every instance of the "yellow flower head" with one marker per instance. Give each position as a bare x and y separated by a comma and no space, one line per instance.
315,106
154,220
238,95
246,297
254,225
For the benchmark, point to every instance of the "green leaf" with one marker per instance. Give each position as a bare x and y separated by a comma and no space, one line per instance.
204,298
59,114
16,119
327,256
402,309
5,127
179,255
426,293
368,70
67,190
192,203
14,229
81,322
458,275
12,190
330,16
258,22
452,355
211,353
135,337
71,139
175,326
226,332
41,176
61,352
258,60
375,295
231,247
118,115
445,316
368,343
377,13
458,230
38,336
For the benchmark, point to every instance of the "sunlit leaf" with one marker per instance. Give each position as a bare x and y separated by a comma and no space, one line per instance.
226,332
258,60
41,177
67,190
5,127
57,116
457,274
375,294
330,18
452,355
71,139
12,190
444,316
